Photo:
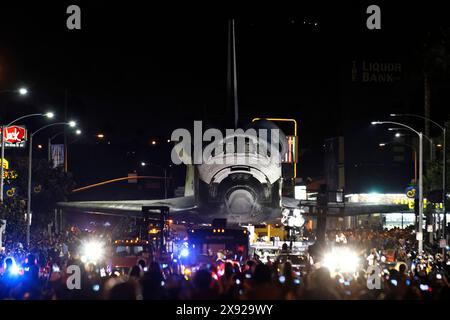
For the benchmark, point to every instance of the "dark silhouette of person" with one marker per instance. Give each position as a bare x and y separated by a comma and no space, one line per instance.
152,283
263,288
202,286
322,286
123,291
135,272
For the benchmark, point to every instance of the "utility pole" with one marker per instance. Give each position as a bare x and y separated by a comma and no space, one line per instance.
65,130
420,231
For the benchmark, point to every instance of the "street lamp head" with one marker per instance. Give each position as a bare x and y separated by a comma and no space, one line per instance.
439,145
72,123
143,164
393,114
398,135
23,91
382,144
78,131
50,115
375,122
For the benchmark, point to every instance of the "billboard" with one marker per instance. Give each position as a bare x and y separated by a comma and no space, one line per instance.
15,136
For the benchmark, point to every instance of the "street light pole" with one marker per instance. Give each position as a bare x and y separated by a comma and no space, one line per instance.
30,163
444,195
419,235
30,166
444,129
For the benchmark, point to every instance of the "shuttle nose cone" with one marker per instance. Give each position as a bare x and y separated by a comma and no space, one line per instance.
240,201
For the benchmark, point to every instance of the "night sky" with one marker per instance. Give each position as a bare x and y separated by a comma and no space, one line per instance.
136,73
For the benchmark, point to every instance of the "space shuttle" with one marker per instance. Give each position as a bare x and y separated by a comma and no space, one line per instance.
247,190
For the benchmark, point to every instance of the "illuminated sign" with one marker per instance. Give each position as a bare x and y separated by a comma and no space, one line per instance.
291,152
411,192
300,193
388,198
10,192
15,136
8,174
5,163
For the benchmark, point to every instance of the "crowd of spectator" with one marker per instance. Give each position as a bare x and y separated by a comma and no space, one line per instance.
406,275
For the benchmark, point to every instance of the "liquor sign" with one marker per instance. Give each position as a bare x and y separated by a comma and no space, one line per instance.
15,136
376,71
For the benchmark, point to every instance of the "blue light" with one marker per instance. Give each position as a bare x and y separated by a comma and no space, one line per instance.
184,252
14,269
423,287
282,279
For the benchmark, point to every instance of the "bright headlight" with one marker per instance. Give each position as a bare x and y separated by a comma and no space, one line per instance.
341,260
184,252
92,251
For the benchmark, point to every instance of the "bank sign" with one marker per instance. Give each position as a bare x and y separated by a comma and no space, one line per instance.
15,136
376,71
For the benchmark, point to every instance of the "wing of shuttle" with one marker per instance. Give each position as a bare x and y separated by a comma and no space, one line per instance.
180,204
347,208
